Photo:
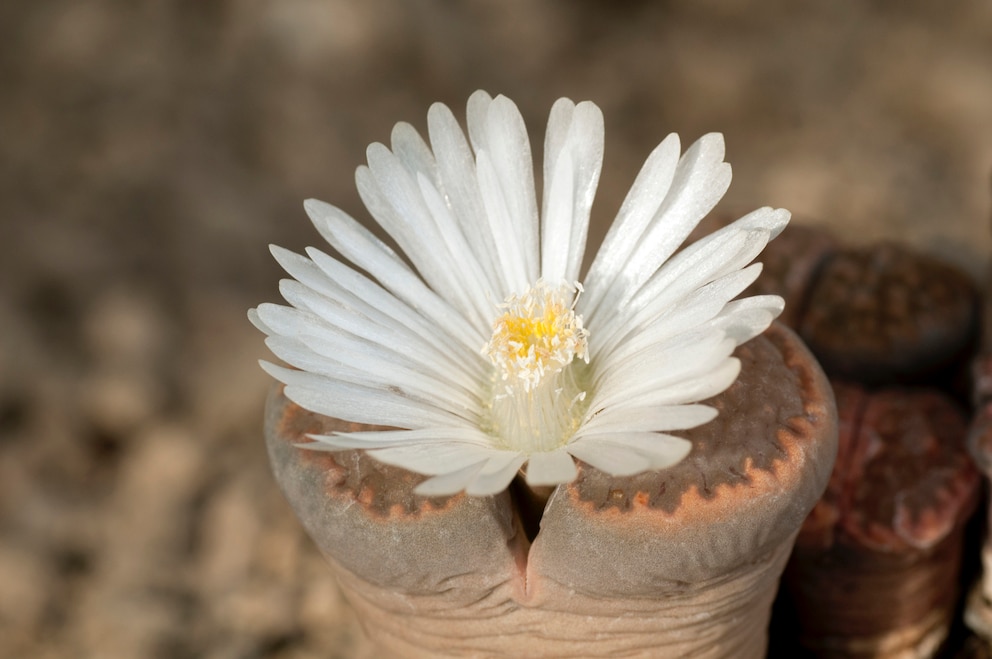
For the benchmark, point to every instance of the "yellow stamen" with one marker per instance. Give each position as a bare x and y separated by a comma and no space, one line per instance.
537,399
537,335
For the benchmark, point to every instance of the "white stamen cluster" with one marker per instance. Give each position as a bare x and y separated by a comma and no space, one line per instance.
533,345
537,336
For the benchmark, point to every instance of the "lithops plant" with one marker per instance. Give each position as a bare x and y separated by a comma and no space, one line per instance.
978,613
679,562
887,314
876,569
434,401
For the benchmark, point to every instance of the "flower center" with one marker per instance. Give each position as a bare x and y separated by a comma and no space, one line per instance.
536,401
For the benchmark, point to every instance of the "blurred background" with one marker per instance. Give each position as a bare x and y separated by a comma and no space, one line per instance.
150,151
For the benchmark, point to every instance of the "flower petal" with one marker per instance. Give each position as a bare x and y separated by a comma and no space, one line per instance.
459,187
628,453
448,483
369,297
511,260
355,293
640,206
660,370
479,289
435,458
496,475
257,321
499,131
660,417
742,320
373,439
390,335
614,459
701,179
700,387
714,256
573,159
393,197
374,372
358,245
556,221
550,468
356,403
657,322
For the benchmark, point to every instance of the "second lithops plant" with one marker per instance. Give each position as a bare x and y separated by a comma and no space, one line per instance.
876,567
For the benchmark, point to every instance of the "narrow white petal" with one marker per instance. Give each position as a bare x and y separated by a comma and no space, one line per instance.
649,332
744,319
709,258
461,262
496,475
655,367
550,468
705,260
653,372
588,137
393,198
698,388
615,453
695,266
575,134
371,296
348,236
509,149
323,339
354,339
449,483
434,459
478,288
285,321
611,458
358,245
258,322
372,371
772,220
389,335
556,223
477,118
501,238
633,419
638,209
351,402
691,311
306,272
342,284
652,325
556,135
413,152
373,439
671,357
701,179
511,258
459,187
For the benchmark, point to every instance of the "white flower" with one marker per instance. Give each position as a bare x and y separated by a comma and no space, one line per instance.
487,355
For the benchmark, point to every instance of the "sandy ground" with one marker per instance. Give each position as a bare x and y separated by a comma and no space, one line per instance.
150,151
